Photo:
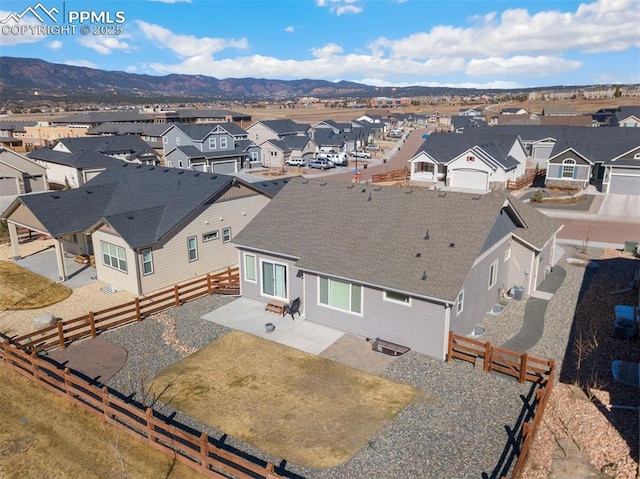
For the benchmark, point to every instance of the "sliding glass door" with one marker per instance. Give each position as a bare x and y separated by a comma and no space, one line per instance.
274,279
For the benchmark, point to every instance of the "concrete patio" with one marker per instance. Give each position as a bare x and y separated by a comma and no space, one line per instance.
44,263
248,315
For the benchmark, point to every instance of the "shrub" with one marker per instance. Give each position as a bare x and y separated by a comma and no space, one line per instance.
537,196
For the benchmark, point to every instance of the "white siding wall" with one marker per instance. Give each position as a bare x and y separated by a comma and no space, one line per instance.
58,173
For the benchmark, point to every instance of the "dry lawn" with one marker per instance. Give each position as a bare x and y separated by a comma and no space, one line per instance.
44,435
23,289
293,405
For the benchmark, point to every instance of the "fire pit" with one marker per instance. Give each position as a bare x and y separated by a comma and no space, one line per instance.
269,327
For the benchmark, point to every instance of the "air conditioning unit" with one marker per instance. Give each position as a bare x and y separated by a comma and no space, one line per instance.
517,292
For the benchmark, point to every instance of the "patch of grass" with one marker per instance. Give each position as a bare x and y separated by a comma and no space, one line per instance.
23,289
45,435
296,406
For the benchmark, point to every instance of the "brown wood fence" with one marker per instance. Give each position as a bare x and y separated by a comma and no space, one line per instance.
525,180
89,325
519,365
196,450
396,175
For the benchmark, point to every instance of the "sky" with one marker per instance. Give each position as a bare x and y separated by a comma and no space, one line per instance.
456,43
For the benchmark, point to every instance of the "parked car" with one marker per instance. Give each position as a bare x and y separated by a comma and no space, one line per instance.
320,163
373,148
296,162
361,154
338,159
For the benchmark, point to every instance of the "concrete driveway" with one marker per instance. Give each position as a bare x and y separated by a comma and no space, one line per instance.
621,206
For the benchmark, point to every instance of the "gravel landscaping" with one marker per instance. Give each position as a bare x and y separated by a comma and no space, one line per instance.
456,428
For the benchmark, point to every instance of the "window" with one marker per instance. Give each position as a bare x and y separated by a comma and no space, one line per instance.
169,163
397,297
212,143
254,156
493,273
340,295
147,261
210,236
226,235
223,142
460,302
274,279
507,254
192,246
568,168
179,163
177,140
165,139
423,167
250,267
114,256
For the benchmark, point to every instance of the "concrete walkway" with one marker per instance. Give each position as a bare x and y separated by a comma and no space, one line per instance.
533,325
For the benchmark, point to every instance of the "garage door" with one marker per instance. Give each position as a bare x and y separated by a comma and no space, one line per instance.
624,185
225,168
469,179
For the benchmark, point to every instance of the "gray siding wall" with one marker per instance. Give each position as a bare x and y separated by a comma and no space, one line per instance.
35,184
479,298
230,142
249,289
421,326
580,172
172,140
170,258
519,263
544,260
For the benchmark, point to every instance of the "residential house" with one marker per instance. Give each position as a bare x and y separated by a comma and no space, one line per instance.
591,155
13,135
460,123
150,133
474,161
205,147
627,116
404,264
276,153
264,130
71,170
19,175
128,148
148,227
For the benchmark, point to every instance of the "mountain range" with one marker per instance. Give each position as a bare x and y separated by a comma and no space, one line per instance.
22,78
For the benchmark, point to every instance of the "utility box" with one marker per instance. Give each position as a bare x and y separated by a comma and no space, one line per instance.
517,292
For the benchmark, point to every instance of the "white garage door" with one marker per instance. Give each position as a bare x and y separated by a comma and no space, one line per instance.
624,185
225,167
470,179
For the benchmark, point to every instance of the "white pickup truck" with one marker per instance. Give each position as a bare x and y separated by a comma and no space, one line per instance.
361,154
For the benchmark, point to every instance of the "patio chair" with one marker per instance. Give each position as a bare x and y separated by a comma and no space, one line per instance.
292,308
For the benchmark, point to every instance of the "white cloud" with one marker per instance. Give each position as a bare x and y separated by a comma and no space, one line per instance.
340,7
327,51
131,69
55,45
81,63
289,29
520,65
16,35
104,44
605,25
188,45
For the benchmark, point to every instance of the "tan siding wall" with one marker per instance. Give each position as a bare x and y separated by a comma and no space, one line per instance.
544,263
24,217
259,134
127,281
170,259
520,262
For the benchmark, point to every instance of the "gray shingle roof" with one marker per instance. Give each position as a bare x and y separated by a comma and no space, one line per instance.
109,145
597,144
285,126
444,147
143,203
79,160
373,234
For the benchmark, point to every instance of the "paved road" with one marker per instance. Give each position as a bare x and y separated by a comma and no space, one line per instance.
598,231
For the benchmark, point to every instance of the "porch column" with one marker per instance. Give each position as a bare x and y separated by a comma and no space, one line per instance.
15,244
62,269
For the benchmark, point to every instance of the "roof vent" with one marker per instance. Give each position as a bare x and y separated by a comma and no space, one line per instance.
181,172
426,236
451,245
275,183
324,183
476,197
304,182
442,194
408,192
196,174
138,167
152,168
378,188
129,217
424,276
418,255
166,170
55,196
89,192
364,190
369,199
214,177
